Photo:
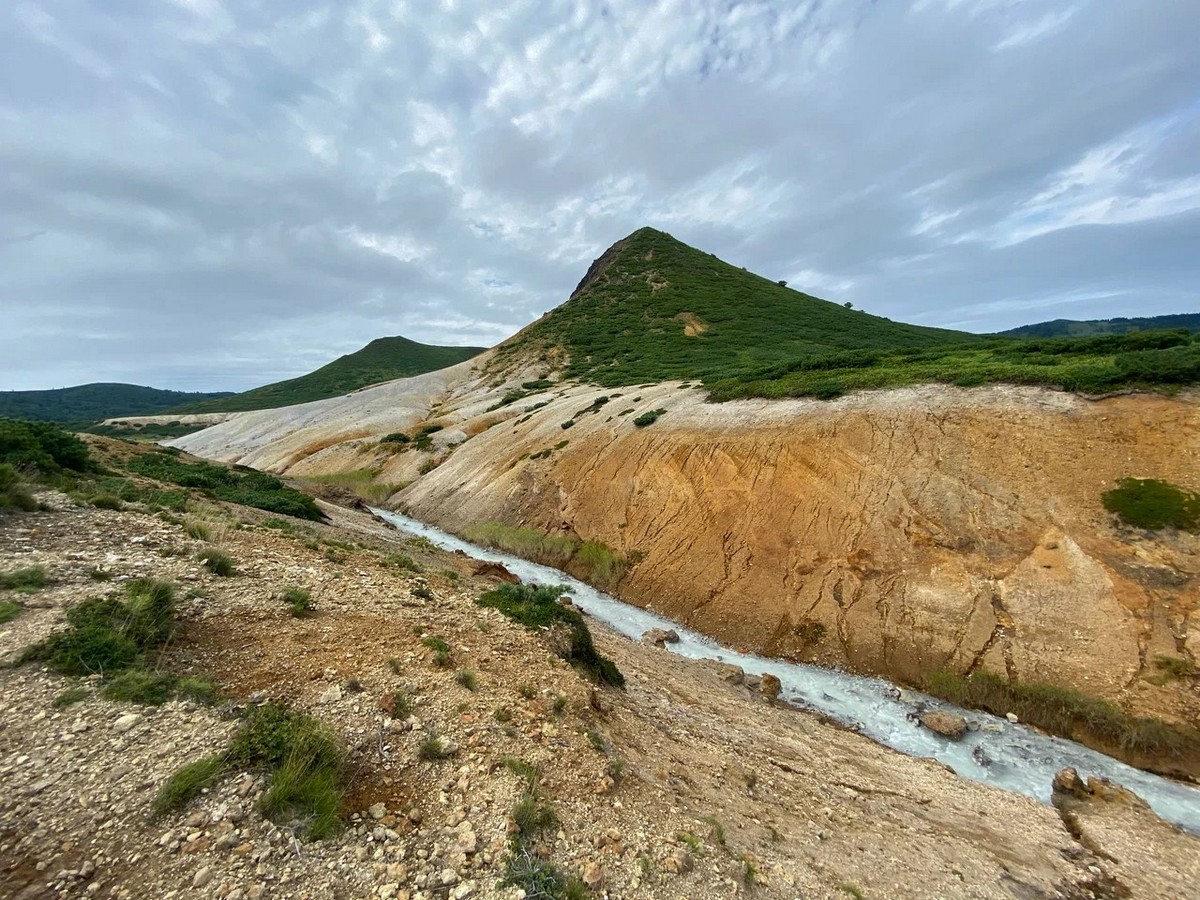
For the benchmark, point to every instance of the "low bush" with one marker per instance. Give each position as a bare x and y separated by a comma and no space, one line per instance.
1153,504
14,494
42,446
299,601
648,418
537,606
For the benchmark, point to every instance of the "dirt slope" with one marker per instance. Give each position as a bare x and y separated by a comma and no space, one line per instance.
721,792
895,532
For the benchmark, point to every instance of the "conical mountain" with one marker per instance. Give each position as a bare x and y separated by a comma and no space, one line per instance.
651,308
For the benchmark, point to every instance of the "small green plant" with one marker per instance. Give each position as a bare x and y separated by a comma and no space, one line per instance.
70,696
851,889
433,748
441,650
139,686
1174,666
559,706
394,666
26,581
596,739
502,714
747,872
616,769
527,691
689,840
466,678
718,830
14,493
217,561
106,501
1152,504
299,601
450,574
422,591
9,610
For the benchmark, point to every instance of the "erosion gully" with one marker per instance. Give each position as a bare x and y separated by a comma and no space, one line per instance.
1006,755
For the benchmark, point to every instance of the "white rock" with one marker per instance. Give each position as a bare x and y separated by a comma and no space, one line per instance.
126,722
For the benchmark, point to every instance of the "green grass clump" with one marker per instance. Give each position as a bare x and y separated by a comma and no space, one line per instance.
26,581
217,561
441,650
234,485
304,759
70,696
537,606
1069,713
9,610
107,636
299,601
591,561
433,748
648,418
1153,504
140,686
467,679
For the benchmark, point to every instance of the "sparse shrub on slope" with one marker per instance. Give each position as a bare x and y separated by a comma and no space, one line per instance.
42,446
1153,504
537,606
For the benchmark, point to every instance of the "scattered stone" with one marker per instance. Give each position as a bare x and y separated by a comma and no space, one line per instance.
679,862
494,570
770,686
126,722
593,875
1012,717
331,695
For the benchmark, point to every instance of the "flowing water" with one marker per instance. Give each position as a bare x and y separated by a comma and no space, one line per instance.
999,753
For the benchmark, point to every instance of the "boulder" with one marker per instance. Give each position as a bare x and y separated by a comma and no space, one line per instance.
495,570
947,724
660,636
770,686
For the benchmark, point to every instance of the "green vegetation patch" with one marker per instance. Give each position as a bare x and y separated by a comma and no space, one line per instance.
88,403
1068,713
1151,360
14,492
381,360
592,561
43,447
9,610
244,486
653,309
26,580
304,759
537,607
1153,504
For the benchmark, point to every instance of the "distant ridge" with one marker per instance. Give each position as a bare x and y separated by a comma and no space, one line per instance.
651,308
88,403
381,360
1088,327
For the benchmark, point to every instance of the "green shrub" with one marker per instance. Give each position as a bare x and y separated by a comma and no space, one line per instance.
107,636
43,446
433,748
468,679
1153,504
648,418
217,561
244,486
441,650
298,599
13,492
538,607
140,686
27,580
9,610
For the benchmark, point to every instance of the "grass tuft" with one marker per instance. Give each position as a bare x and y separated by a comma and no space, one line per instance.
298,599
26,581
217,561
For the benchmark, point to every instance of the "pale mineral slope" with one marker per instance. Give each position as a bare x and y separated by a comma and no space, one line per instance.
896,532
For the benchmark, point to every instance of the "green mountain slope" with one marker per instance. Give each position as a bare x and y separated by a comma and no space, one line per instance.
652,308
1087,328
381,360
92,402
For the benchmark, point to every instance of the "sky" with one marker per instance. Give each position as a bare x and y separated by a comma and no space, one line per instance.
217,194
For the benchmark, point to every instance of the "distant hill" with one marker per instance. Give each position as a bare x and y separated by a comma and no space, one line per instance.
381,360
1086,328
92,402
651,308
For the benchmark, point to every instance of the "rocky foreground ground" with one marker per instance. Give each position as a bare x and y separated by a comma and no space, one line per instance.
687,784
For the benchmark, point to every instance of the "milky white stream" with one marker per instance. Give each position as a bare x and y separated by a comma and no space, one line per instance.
1008,756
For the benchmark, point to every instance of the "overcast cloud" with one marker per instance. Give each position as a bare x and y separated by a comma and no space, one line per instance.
216,194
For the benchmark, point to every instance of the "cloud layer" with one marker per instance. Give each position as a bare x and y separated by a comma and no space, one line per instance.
203,194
